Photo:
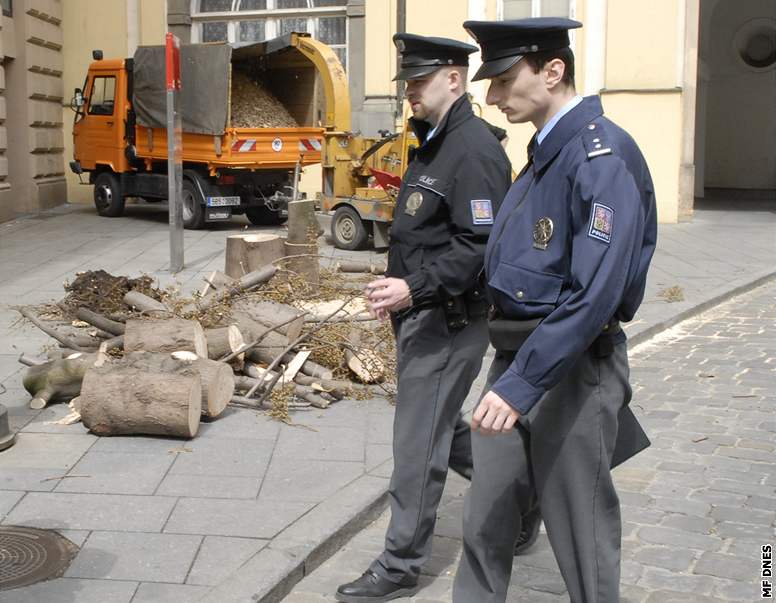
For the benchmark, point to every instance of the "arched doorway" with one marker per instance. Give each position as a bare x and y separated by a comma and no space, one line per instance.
735,143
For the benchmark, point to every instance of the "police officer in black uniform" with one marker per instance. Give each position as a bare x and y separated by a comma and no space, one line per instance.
565,264
450,194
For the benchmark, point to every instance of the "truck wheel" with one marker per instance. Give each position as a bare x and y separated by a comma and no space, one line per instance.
107,195
193,206
264,216
348,229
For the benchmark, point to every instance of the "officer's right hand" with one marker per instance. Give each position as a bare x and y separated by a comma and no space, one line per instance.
494,415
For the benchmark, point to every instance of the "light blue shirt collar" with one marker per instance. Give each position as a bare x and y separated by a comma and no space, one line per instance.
431,132
557,117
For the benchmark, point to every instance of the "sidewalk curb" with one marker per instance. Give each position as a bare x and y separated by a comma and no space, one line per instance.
713,300
292,555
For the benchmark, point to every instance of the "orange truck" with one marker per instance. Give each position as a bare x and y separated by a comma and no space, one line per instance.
120,139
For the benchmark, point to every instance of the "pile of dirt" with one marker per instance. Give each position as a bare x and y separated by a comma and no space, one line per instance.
253,106
103,293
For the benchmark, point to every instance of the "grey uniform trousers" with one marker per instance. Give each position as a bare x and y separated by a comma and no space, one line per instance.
560,454
436,368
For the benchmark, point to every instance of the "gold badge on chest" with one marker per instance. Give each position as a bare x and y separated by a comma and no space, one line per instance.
414,201
542,233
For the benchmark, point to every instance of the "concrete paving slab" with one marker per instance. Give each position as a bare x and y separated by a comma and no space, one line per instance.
326,443
105,473
219,517
69,590
168,593
92,511
209,486
239,424
137,444
219,556
52,451
7,501
322,479
139,557
222,457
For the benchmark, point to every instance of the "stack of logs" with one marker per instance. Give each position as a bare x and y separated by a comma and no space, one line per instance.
160,373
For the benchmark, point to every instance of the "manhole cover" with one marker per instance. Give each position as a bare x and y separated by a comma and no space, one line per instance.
29,555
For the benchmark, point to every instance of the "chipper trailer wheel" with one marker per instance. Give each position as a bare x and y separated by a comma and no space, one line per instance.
348,229
107,195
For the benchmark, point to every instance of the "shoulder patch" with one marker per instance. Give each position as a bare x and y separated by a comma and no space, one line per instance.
595,141
482,211
601,223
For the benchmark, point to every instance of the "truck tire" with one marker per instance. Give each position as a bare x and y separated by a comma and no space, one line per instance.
193,205
264,216
107,195
348,229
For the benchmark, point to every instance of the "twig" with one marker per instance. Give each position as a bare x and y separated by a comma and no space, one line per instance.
51,479
63,339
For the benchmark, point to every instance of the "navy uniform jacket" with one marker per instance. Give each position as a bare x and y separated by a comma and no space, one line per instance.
590,181
449,196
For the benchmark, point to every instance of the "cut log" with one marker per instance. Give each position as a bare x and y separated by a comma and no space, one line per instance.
165,335
303,226
123,399
216,281
302,260
365,364
101,322
148,305
248,252
270,313
57,380
246,283
223,340
360,267
331,385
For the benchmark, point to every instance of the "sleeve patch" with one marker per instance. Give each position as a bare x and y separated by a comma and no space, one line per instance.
482,211
601,223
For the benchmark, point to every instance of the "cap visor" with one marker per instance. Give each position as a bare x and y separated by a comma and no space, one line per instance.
496,67
412,73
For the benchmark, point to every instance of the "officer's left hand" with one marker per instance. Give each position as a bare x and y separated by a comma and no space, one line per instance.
493,415
388,294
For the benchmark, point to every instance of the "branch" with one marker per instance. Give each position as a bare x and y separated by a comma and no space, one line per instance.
63,339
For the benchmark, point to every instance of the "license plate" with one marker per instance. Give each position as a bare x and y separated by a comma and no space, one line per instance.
213,214
222,201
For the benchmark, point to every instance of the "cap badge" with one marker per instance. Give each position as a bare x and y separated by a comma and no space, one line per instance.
542,233
414,202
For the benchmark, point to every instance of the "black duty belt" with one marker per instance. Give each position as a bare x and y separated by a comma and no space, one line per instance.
509,335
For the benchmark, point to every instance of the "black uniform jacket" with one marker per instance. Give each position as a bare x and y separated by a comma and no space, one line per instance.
571,245
447,204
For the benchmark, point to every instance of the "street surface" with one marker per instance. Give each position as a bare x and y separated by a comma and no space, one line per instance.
697,506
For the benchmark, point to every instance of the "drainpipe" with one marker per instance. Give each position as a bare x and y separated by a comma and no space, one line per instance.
401,27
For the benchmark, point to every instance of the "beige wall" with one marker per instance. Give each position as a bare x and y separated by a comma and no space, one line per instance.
96,24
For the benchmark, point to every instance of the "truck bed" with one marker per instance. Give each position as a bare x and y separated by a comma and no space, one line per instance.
247,148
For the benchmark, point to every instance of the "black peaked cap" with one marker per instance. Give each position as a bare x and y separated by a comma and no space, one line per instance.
421,55
504,43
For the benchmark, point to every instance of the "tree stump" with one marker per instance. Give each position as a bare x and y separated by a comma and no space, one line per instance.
124,399
303,226
248,252
222,341
165,335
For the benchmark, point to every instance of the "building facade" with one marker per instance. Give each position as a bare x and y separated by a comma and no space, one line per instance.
694,81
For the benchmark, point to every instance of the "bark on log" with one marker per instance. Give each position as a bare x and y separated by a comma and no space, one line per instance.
57,380
270,314
165,335
147,305
302,259
51,332
217,378
121,399
360,267
223,340
100,321
248,252
303,228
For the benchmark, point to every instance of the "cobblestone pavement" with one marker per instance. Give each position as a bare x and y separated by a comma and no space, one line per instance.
697,506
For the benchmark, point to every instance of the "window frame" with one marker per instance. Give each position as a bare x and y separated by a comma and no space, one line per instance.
91,96
7,12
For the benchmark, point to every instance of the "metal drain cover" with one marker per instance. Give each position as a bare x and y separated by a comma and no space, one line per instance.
29,555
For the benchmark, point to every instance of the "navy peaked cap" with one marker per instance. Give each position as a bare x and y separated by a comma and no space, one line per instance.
421,55
504,43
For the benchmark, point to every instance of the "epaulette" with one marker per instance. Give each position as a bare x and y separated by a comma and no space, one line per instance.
595,142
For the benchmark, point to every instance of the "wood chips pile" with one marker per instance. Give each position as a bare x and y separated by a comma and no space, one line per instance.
253,106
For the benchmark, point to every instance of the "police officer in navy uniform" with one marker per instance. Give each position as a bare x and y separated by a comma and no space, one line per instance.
449,197
566,263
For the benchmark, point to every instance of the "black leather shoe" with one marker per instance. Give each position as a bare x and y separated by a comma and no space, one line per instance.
529,532
371,588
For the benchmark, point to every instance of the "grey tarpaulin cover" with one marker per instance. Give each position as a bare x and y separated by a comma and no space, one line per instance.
204,99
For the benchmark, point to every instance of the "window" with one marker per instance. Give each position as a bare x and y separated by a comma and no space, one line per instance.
102,96
522,9
258,20
7,7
